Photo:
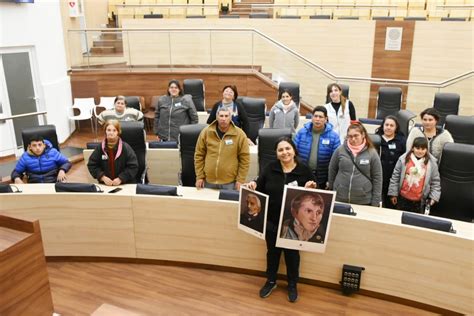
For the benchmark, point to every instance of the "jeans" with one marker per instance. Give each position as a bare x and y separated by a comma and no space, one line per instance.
225,186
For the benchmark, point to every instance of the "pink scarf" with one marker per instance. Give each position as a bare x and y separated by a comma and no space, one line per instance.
356,149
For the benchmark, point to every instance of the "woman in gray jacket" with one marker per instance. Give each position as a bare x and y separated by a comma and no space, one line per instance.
355,170
285,113
172,111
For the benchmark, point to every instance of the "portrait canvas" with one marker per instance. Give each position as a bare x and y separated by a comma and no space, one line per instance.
252,212
305,219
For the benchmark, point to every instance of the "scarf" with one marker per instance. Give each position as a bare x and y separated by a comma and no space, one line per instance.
356,149
416,173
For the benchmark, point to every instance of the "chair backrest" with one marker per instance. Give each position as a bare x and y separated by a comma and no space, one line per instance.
47,131
195,87
84,105
389,101
255,109
461,128
457,183
134,102
107,103
134,135
153,16
293,87
320,17
445,104
188,136
266,144
376,140
406,119
345,91
290,17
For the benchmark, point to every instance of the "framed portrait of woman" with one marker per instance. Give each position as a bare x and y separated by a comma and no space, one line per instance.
305,219
252,212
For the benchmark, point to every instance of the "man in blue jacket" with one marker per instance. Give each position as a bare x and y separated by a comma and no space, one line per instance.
316,142
42,163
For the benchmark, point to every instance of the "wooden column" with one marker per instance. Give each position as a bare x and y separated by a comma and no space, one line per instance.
388,63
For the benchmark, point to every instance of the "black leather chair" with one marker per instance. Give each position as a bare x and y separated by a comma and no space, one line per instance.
406,119
134,135
383,18
259,16
457,183
461,128
153,16
134,102
46,131
348,18
195,16
228,16
293,87
453,19
389,101
376,140
414,18
92,145
195,87
446,104
188,136
267,138
255,108
296,17
345,91
168,144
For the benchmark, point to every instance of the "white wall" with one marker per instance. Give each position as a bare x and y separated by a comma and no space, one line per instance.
38,25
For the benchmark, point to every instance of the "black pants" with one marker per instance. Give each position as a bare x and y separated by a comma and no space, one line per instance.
409,206
292,259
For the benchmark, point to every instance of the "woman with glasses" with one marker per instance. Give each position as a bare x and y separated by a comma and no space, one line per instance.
355,170
173,110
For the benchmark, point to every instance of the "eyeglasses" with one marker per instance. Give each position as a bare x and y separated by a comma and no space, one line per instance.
353,136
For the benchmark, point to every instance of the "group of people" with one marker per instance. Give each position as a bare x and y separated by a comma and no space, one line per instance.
333,151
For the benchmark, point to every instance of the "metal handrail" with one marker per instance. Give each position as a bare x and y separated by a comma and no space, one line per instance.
327,73
166,5
270,5
12,117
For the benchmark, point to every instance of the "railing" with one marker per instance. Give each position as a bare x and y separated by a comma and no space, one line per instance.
212,49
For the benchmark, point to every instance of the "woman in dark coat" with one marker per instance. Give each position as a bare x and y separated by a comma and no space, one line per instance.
271,181
113,162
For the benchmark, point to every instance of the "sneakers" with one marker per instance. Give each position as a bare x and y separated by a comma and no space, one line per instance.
292,293
267,289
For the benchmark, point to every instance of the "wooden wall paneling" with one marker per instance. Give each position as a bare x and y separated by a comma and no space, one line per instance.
391,64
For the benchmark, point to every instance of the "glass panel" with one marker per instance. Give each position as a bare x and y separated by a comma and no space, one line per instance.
20,89
190,49
148,49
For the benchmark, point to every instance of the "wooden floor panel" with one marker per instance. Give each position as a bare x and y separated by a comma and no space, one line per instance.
80,288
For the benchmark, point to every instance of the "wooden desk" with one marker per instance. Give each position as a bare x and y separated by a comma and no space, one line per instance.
24,283
417,264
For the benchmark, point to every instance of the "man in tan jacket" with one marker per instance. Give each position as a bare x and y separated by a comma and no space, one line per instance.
222,155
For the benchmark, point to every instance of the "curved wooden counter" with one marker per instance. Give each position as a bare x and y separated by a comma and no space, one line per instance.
426,266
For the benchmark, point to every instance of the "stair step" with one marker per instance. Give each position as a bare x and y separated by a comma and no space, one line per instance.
108,43
103,50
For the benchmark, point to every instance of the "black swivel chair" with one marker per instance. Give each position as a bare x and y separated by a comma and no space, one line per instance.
293,87
389,101
188,136
46,131
295,17
345,91
259,16
320,17
255,108
267,138
134,102
195,87
133,134
153,16
445,104
457,183
376,140
461,128
406,119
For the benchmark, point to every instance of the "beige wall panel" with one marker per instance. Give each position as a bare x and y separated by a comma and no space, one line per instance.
95,12
71,42
78,224
203,230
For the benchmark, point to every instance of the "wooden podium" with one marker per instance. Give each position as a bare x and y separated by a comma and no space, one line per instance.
24,284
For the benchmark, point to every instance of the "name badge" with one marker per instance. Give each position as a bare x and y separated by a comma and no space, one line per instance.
392,146
229,142
325,141
177,104
104,157
293,184
364,161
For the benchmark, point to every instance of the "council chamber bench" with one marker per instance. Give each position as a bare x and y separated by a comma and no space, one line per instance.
415,264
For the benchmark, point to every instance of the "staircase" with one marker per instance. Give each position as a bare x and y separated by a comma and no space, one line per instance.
108,44
244,8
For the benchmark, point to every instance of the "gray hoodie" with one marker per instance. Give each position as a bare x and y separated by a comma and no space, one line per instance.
350,185
279,119
171,113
